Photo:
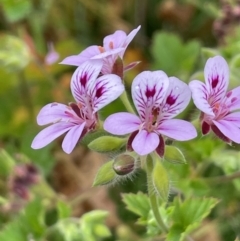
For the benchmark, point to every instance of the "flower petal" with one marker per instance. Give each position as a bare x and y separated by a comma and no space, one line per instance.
130,36
53,112
84,74
233,99
228,129
145,142
104,90
216,73
52,56
72,137
121,123
115,40
50,133
177,129
84,56
200,96
233,118
148,91
177,98
119,39
131,65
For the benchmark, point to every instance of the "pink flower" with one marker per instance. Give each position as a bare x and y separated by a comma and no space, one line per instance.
114,46
219,107
52,56
91,94
157,99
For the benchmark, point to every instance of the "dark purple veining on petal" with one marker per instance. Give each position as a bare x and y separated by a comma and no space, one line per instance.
83,79
150,92
215,81
99,91
229,93
171,100
233,99
205,128
220,135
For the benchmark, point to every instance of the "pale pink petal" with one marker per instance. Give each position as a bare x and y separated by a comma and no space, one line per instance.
50,133
108,63
145,142
121,123
200,96
84,56
104,90
131,65
177,129
177,98
148,91
233,118
54,112
84,74
115,40
130,36
108,59
72,137
119,39
216,73
233,99
107,53
52,56
228,129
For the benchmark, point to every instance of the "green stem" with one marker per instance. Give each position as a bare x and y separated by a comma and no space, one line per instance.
126,102
222,179
153,198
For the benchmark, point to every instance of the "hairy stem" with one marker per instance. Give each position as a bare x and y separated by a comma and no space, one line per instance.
153,198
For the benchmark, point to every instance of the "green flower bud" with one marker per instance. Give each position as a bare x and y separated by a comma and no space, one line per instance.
124,164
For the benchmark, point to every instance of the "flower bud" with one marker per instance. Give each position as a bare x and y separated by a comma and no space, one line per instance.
124,164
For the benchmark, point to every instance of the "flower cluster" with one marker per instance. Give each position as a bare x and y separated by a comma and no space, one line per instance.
158,99
219,108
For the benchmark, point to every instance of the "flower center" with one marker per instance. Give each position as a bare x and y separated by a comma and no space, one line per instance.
151,122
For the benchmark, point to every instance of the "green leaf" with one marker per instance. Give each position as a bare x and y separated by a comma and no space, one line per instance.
14,230
173,154
174,233
35,217
14,53
64,210
235,62
105,144
105,174
96,216
188,215
160,180
92,225
16,10
209,53
138,204
6,163
172,55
